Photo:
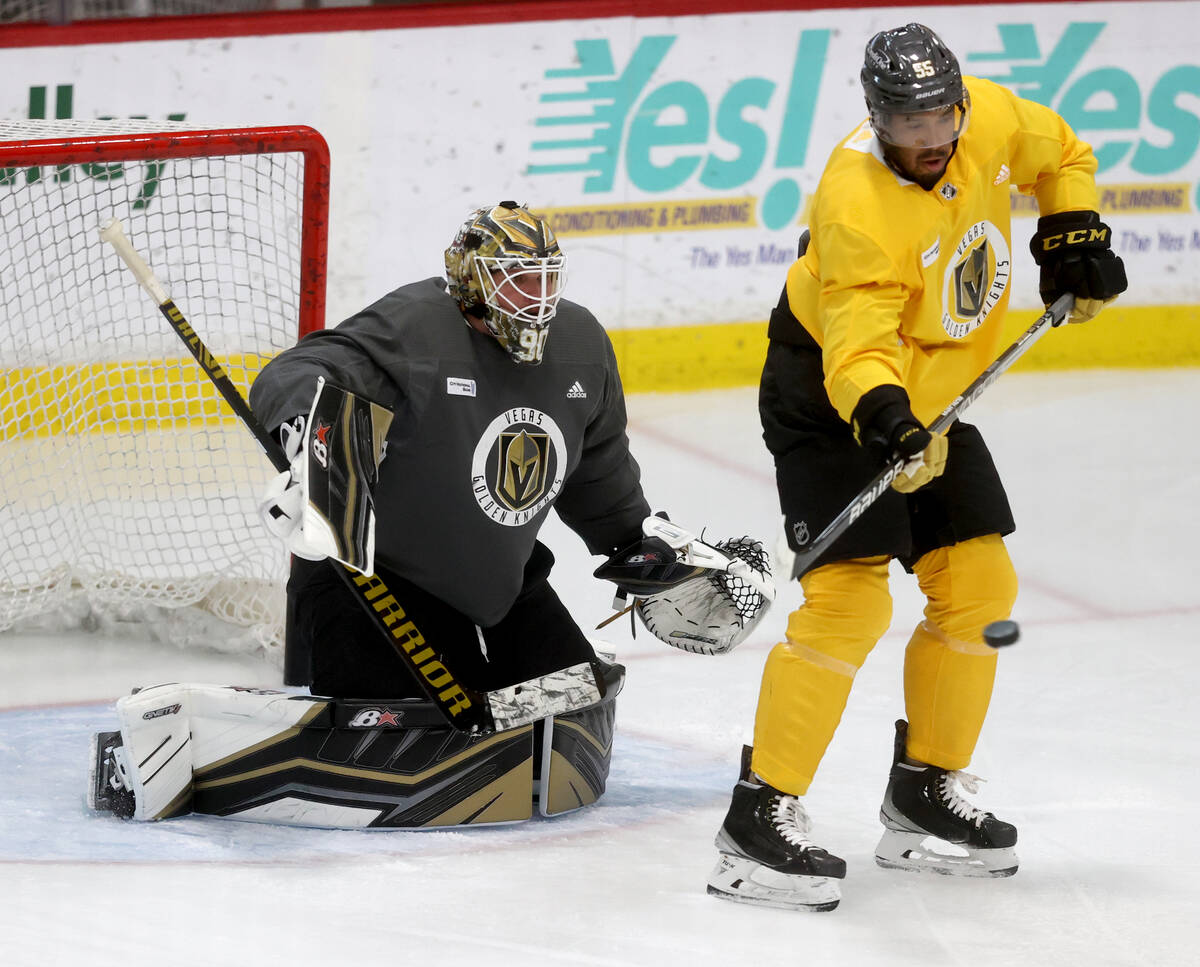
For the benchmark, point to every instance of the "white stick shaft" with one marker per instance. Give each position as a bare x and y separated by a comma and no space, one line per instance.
112,233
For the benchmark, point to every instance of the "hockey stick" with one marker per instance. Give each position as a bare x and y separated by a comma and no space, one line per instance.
465,708
1054,316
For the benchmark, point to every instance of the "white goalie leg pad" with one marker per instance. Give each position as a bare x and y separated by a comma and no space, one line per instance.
744,880
155,758
168,731
922,853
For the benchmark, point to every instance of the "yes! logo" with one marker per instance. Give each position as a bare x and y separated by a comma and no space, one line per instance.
617,119
1152,126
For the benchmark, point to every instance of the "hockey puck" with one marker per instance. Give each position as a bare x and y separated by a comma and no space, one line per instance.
1001,633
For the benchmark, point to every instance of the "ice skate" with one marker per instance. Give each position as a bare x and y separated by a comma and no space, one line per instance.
929,827
108,787
766,855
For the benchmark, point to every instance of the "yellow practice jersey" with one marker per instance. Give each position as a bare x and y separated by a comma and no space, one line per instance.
906,286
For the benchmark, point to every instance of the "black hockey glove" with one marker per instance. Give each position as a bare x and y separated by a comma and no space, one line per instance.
883,422
1074,250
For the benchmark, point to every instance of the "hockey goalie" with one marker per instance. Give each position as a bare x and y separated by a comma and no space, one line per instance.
424,441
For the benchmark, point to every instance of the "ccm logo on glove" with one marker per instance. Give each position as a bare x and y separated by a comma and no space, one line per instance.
1074,251
1092,237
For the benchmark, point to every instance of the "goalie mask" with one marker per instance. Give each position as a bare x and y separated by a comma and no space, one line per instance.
505,267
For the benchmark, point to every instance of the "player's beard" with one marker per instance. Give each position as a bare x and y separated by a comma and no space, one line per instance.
928,166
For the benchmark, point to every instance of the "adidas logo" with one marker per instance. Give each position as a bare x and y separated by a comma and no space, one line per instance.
1001,175
577,392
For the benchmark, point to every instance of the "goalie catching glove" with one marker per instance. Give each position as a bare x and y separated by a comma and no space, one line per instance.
322,505
703,598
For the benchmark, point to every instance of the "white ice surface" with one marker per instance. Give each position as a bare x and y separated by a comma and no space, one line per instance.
1090,748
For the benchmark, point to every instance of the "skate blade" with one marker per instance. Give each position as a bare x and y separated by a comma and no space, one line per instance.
93,777
745,881
96,799
920,853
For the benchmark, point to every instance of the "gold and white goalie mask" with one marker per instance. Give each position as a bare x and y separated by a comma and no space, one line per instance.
505,267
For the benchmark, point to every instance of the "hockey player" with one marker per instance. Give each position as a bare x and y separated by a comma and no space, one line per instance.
503,400
478,451
895,306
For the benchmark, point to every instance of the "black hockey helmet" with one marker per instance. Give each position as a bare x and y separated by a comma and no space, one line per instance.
909,71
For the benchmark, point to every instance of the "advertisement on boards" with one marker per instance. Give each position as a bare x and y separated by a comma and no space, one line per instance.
674,156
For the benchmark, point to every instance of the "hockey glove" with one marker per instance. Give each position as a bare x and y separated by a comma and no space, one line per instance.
1074,250
323,505
884,422
714,613
700,597
283,503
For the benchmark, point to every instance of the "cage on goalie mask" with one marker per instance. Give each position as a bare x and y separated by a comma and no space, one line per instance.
714,612
505,267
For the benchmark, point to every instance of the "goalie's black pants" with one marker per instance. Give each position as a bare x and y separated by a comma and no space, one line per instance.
349,658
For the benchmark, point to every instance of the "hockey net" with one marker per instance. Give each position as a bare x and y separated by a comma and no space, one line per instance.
129,489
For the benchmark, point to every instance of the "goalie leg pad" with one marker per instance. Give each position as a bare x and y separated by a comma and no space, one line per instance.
576,752
166,729
372,764
265,756
154,757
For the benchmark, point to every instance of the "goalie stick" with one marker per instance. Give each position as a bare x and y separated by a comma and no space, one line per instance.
465,708
1054,316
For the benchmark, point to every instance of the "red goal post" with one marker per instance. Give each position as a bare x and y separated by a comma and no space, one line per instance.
129,490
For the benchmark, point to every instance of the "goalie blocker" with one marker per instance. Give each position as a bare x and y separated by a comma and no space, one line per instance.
322,505
265,756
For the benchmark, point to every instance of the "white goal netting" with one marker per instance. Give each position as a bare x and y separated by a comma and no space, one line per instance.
128,490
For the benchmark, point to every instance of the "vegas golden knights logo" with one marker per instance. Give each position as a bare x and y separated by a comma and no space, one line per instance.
975,279
519,466
521,474
971,281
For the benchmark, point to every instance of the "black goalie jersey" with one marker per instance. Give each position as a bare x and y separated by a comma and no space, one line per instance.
480,447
